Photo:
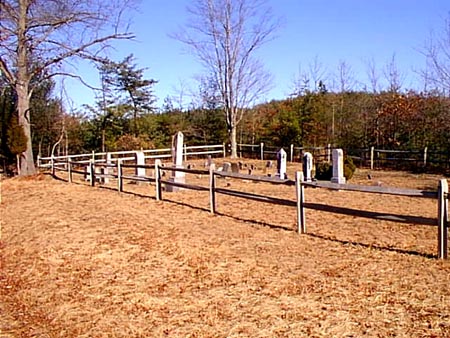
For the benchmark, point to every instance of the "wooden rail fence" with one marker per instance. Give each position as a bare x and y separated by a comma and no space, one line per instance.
441,195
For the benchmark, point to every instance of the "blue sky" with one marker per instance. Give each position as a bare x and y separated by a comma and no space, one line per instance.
327,32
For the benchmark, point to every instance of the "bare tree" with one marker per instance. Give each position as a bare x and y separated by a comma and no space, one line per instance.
224,35
437,53
345,77
372,75
40,37
393,75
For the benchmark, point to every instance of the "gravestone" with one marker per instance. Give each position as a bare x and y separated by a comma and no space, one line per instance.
268,168
338,166
226,167
106,170
307,166
177,158
235,168
281,164
208,162
139,160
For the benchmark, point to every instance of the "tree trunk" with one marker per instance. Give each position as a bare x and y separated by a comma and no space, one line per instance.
26,165
233,142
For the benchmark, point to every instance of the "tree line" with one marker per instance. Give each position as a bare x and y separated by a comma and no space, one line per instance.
351,119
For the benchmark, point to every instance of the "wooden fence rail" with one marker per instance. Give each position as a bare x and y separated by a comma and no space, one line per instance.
441,195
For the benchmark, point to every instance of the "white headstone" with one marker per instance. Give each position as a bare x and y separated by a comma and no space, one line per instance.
140,160
281,164
338,166
177,158
226,167
307,166
106,170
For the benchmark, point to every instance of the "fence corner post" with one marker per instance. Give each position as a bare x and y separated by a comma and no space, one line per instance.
212,188
262,151
158,190
443,219
300,190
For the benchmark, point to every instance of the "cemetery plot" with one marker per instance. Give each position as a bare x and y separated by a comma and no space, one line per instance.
92,262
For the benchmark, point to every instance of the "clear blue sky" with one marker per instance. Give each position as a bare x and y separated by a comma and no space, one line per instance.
329,31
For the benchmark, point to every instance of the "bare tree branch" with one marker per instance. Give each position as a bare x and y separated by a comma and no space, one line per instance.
224,36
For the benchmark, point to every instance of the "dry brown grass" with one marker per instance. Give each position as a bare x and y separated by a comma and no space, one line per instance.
78,261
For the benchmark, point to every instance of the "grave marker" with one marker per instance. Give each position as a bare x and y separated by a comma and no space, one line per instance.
177,158
307,166
140,160
281,164
338,167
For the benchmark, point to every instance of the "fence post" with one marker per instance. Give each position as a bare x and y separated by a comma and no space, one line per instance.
92,169
69,169
212,188
38,161
292,153
53,165
262,151
372,149
442,219
300,189
119,176
185,152
425,151
224,149
158,189
328,153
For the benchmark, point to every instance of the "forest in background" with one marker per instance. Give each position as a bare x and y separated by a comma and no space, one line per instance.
125,119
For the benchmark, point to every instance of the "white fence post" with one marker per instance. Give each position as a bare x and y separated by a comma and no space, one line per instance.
262,151
69,169
443,219
292,153
119,175
425,151
300,189
224,149
53,165
372,150
212,188
328,152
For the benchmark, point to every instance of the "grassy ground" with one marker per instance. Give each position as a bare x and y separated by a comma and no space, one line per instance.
78,261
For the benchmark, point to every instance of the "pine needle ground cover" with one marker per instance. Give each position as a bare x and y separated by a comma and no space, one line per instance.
78,261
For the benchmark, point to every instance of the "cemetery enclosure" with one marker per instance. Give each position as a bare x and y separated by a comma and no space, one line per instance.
92,262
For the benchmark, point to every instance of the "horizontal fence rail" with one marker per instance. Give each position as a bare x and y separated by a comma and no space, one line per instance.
102,172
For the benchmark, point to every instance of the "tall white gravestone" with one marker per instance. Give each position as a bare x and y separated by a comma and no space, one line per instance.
281,164
177,157
307,166
338,166
140,160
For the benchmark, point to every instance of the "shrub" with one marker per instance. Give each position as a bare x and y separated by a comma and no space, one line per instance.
324,170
